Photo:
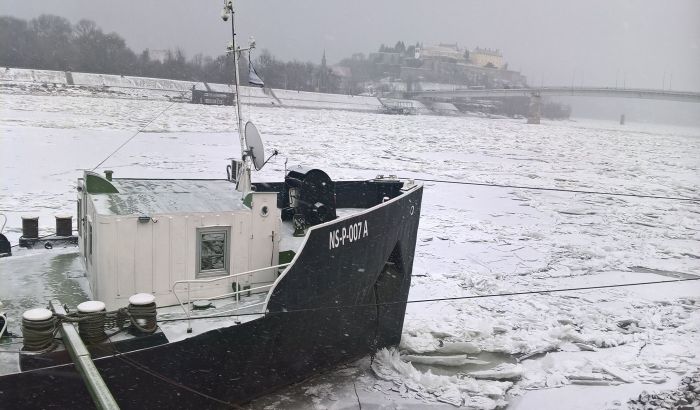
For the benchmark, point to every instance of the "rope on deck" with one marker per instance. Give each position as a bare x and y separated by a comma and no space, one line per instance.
39,334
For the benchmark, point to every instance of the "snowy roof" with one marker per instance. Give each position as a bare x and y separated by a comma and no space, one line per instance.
163,196
487,51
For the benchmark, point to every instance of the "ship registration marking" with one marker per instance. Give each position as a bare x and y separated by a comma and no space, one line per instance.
351,233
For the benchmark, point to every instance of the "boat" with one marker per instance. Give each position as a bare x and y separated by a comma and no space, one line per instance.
398,107
209,293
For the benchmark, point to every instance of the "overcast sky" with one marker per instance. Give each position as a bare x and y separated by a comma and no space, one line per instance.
638,43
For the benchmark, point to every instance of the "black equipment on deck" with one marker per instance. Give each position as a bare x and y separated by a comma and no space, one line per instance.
311,196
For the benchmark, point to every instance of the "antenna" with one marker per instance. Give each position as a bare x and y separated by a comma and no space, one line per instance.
244,177
243,183
256,150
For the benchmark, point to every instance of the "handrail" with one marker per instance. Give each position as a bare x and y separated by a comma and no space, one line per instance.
226,277
225,295
189,282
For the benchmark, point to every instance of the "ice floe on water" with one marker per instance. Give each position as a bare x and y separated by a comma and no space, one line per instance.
486,352
588,340
458,390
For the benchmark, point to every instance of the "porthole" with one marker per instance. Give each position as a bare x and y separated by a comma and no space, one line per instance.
264,211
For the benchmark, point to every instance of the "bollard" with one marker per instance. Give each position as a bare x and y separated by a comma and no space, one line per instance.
30,227
92,323
142,308
64,225
38,328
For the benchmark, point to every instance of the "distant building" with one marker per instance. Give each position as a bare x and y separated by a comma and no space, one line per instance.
322,83
483,57
442,51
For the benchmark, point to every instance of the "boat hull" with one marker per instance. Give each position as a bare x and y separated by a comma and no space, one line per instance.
343,297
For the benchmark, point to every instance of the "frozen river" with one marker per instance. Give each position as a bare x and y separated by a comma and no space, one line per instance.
473,240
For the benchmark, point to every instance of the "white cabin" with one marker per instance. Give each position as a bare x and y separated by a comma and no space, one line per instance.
143,235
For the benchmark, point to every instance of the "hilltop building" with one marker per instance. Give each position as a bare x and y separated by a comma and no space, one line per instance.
447,66
443,66
486,57
443,51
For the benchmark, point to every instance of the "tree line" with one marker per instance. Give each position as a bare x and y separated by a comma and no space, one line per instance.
51,42
400,48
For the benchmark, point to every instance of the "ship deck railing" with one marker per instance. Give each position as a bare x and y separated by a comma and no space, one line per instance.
236,295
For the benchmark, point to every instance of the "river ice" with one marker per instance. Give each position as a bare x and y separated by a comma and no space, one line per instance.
593,349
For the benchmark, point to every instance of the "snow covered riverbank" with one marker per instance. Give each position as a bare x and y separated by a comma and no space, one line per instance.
23,81
593,348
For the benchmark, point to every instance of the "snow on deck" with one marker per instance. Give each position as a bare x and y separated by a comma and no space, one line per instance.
471,240
163,196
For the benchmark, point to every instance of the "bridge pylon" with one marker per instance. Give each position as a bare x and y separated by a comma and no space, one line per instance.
535,112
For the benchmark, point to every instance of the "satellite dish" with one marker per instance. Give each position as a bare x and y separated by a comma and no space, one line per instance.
255,145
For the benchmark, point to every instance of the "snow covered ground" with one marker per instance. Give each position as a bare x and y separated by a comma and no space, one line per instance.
577,349
21,80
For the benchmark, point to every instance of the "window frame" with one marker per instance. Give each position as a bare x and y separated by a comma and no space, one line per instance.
90,234
80,217
203,274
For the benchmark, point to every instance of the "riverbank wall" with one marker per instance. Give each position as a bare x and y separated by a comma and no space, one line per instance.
159,88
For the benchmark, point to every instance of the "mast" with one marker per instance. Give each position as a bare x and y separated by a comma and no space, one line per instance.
243,183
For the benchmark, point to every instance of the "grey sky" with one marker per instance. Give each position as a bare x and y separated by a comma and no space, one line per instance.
641,43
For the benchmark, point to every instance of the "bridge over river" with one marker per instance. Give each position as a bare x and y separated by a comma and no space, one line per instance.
536,93
685,96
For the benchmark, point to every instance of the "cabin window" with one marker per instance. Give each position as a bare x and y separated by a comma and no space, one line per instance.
213,251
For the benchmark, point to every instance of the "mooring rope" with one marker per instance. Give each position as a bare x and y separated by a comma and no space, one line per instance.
432,300
133,363
91,327
143,313
116,319
575,191
39,334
